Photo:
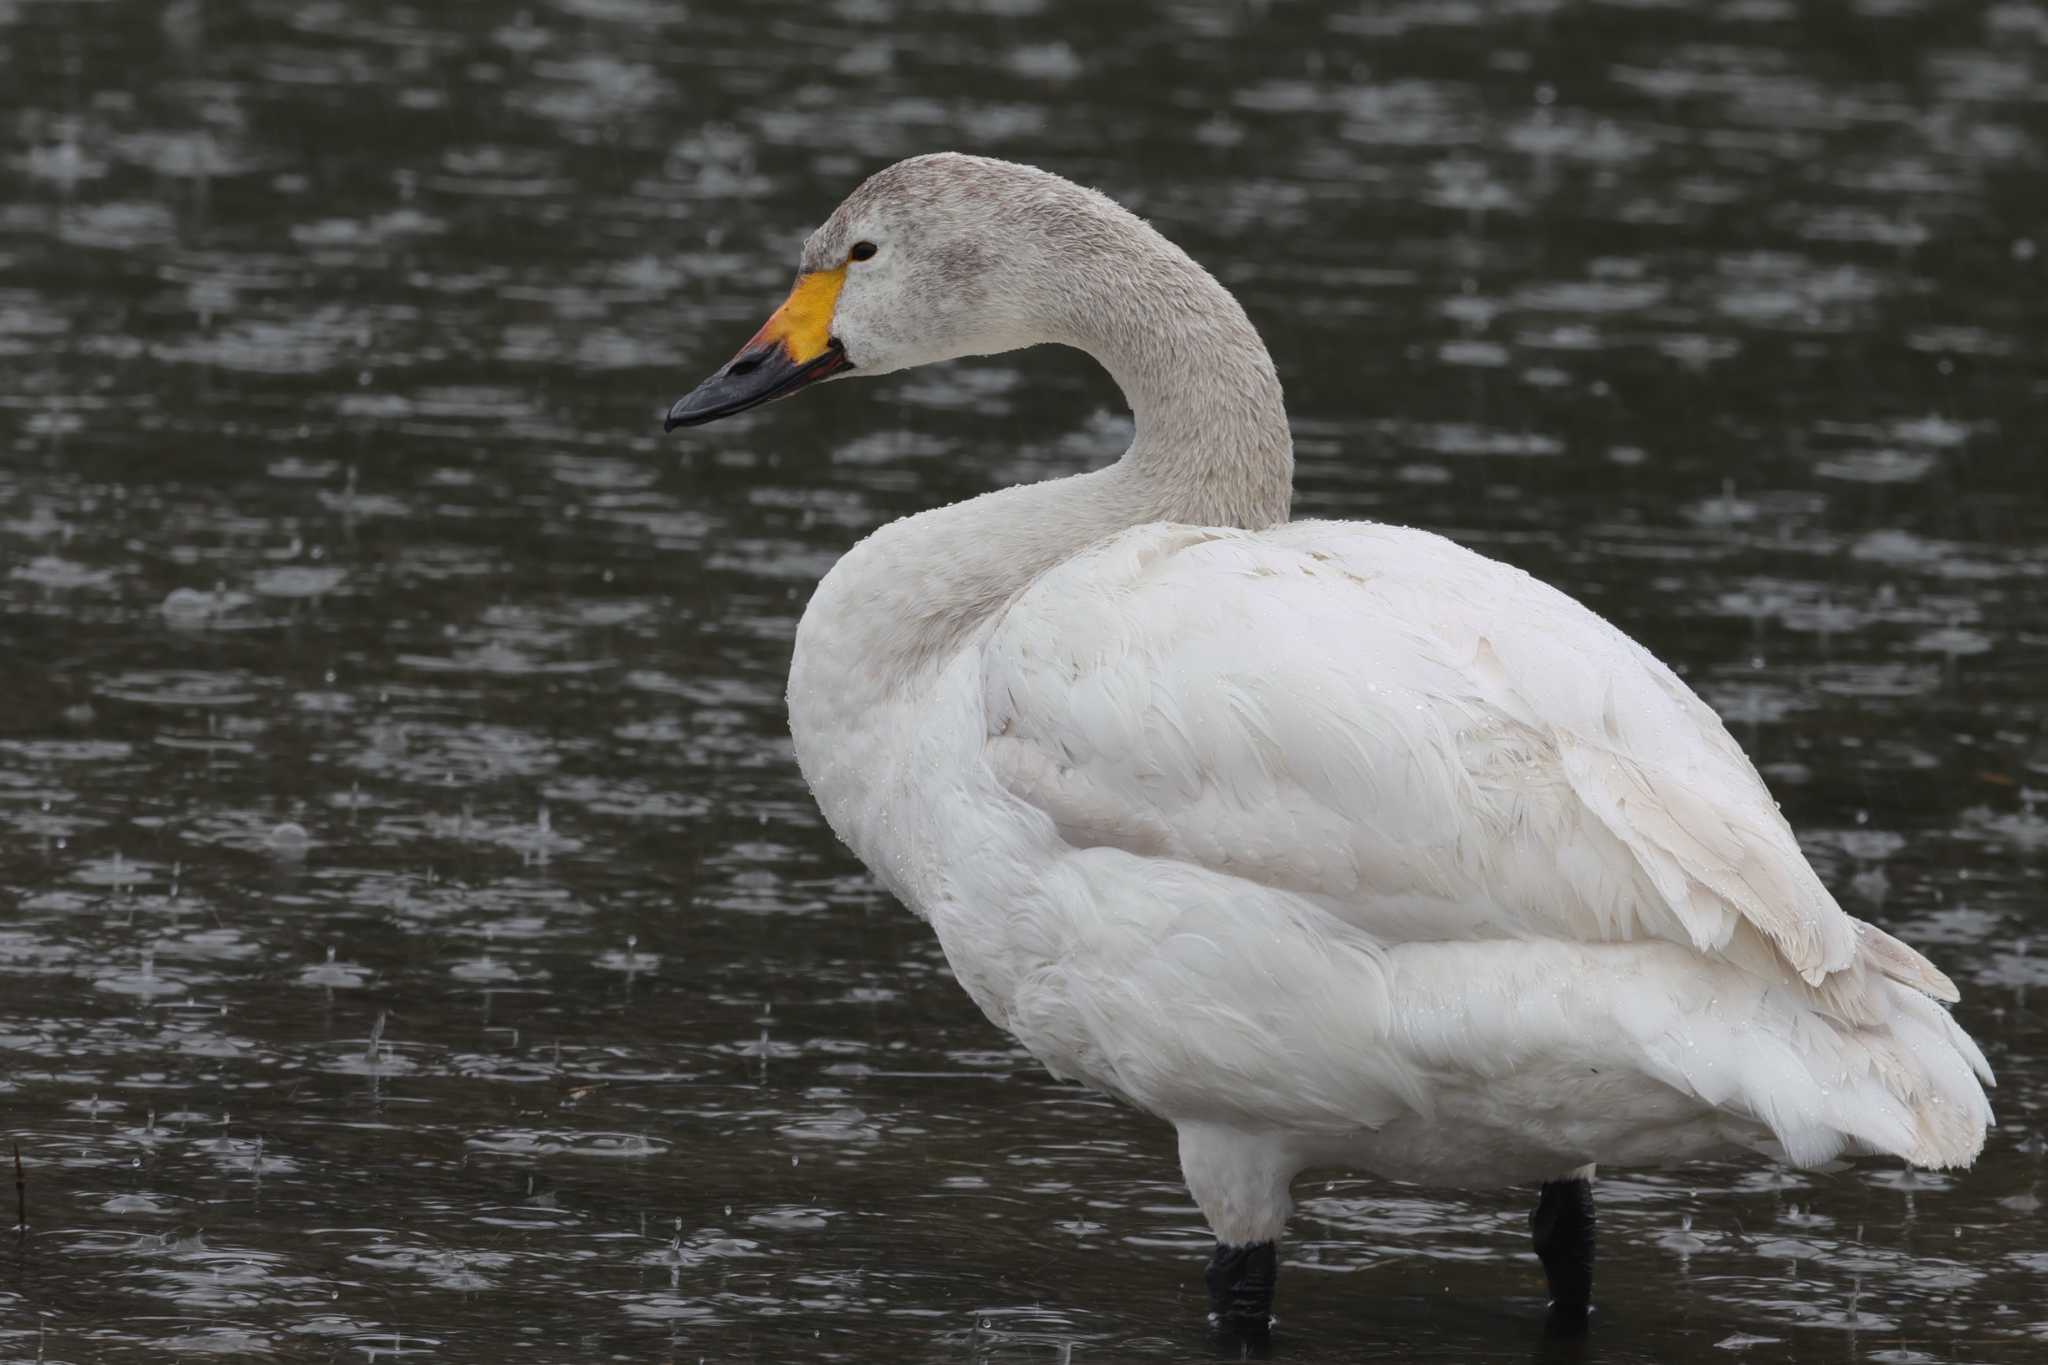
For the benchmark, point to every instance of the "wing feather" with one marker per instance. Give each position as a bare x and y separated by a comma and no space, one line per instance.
1433,745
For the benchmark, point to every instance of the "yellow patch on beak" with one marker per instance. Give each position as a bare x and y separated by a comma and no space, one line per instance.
802,326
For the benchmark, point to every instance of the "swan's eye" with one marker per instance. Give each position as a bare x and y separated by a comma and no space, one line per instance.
861,251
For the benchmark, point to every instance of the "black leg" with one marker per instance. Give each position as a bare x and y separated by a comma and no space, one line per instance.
1241,1289
1563,1228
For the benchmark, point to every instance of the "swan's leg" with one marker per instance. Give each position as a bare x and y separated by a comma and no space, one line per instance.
1239,1180
1241,1288
1563,1228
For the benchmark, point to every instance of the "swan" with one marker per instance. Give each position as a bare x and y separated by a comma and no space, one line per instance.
1333,844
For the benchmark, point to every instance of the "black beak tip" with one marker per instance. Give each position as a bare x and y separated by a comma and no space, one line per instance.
708,402
752,378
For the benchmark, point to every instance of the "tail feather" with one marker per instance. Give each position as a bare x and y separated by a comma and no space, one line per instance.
1910,1081
1868,1061
1915,1085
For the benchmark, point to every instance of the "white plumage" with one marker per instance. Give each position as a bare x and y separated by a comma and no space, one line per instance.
1333,844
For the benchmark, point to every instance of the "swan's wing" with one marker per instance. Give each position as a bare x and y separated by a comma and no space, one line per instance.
1429,744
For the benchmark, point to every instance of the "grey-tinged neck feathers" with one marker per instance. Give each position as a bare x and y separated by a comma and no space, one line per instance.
1212,446
1057,263
984,256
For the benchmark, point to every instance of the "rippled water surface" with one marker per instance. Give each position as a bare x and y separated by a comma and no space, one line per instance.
417,941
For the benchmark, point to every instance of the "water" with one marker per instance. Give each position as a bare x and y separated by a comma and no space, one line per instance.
420,944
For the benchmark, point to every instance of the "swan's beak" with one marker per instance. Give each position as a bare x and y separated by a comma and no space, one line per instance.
794,347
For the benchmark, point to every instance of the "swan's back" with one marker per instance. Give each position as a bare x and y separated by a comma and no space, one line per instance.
1436,749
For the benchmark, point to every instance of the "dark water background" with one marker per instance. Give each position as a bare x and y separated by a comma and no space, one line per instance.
415,939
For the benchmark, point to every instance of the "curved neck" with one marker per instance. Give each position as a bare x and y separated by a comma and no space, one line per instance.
1212,447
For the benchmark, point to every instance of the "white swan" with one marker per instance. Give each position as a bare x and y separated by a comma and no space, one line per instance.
1333,844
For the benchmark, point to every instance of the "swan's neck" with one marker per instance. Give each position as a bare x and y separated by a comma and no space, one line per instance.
1211,448
1211,445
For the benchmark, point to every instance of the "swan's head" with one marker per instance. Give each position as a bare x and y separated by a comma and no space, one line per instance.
930,259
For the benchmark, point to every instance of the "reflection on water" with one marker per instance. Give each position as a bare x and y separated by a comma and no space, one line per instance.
422,945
